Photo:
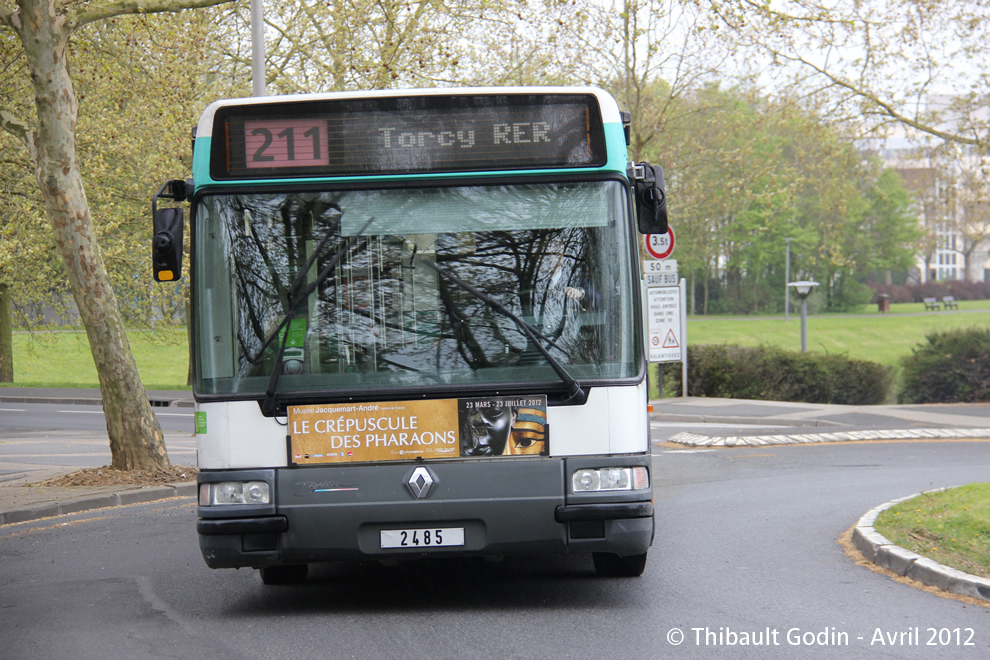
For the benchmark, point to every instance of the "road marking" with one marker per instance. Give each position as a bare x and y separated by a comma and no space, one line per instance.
12,410
100,412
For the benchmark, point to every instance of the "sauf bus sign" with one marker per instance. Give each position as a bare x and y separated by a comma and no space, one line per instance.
663,297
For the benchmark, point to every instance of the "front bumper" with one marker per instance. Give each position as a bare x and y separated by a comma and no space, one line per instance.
505,506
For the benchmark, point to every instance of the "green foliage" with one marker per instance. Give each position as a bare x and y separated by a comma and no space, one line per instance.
848,294
29,260
950,366
747,172
772,374
153,74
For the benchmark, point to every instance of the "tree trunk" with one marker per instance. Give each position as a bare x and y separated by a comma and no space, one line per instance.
6,337
136,440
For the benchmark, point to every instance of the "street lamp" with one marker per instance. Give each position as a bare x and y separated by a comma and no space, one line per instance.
803,289
787,276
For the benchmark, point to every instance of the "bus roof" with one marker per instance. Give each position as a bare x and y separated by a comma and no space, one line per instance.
609,107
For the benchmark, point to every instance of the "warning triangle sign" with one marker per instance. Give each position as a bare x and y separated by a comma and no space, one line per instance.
671,340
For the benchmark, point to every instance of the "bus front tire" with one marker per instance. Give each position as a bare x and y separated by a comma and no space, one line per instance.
609,565
292,574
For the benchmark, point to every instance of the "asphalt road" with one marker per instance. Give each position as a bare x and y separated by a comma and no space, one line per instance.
746,548
64,416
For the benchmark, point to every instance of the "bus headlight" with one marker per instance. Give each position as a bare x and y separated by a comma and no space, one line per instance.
225,493
613,478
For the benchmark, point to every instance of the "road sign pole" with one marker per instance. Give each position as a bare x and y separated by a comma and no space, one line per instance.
684,345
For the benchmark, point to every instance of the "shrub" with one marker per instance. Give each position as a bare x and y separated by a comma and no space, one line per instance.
949,367
968,290
772,374
897,293
849,295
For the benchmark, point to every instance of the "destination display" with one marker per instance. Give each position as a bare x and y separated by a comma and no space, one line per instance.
408,430
407,135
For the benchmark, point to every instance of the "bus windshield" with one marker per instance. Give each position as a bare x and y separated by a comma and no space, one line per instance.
389,312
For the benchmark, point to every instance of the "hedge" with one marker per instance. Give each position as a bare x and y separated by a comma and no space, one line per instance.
951,366
773,374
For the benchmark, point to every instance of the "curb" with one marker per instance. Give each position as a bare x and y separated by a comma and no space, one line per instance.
879,550
698,440
88,503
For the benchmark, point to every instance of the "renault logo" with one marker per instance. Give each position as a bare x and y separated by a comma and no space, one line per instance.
420,482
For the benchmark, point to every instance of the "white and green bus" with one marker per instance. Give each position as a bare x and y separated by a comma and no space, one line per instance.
416,319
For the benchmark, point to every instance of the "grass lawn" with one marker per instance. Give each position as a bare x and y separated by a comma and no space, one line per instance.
883,338
62,359
951,527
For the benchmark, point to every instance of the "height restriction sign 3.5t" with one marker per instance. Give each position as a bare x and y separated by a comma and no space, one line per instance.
660,246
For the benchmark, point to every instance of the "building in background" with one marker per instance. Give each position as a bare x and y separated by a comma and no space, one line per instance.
951,187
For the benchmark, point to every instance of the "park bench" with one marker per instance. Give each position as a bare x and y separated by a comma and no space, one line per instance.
950,302
931,303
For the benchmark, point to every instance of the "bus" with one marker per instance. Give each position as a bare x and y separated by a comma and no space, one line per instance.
416,320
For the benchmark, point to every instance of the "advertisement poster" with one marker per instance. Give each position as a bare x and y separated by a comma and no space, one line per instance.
404,430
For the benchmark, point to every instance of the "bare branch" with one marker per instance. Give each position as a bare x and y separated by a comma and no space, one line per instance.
8,17
98,11
887,107
19,129
872,57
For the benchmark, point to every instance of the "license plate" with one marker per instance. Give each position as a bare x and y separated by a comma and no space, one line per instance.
430,537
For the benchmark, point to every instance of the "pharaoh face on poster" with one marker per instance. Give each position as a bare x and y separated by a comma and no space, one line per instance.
503,426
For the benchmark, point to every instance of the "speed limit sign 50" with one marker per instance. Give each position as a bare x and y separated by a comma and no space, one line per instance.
660,246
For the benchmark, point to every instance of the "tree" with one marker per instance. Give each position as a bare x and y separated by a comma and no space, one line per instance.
915,68
525,42
749,172
735,194
153,74
890,225
957,199
887,58
647,53
361,44
27,255
44,29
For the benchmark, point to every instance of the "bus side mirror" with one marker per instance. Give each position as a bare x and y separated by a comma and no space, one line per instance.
651,200
166,245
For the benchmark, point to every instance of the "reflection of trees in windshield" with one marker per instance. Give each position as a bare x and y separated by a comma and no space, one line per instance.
526,271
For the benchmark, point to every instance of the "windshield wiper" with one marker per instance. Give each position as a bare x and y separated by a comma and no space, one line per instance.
270,405
575,391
